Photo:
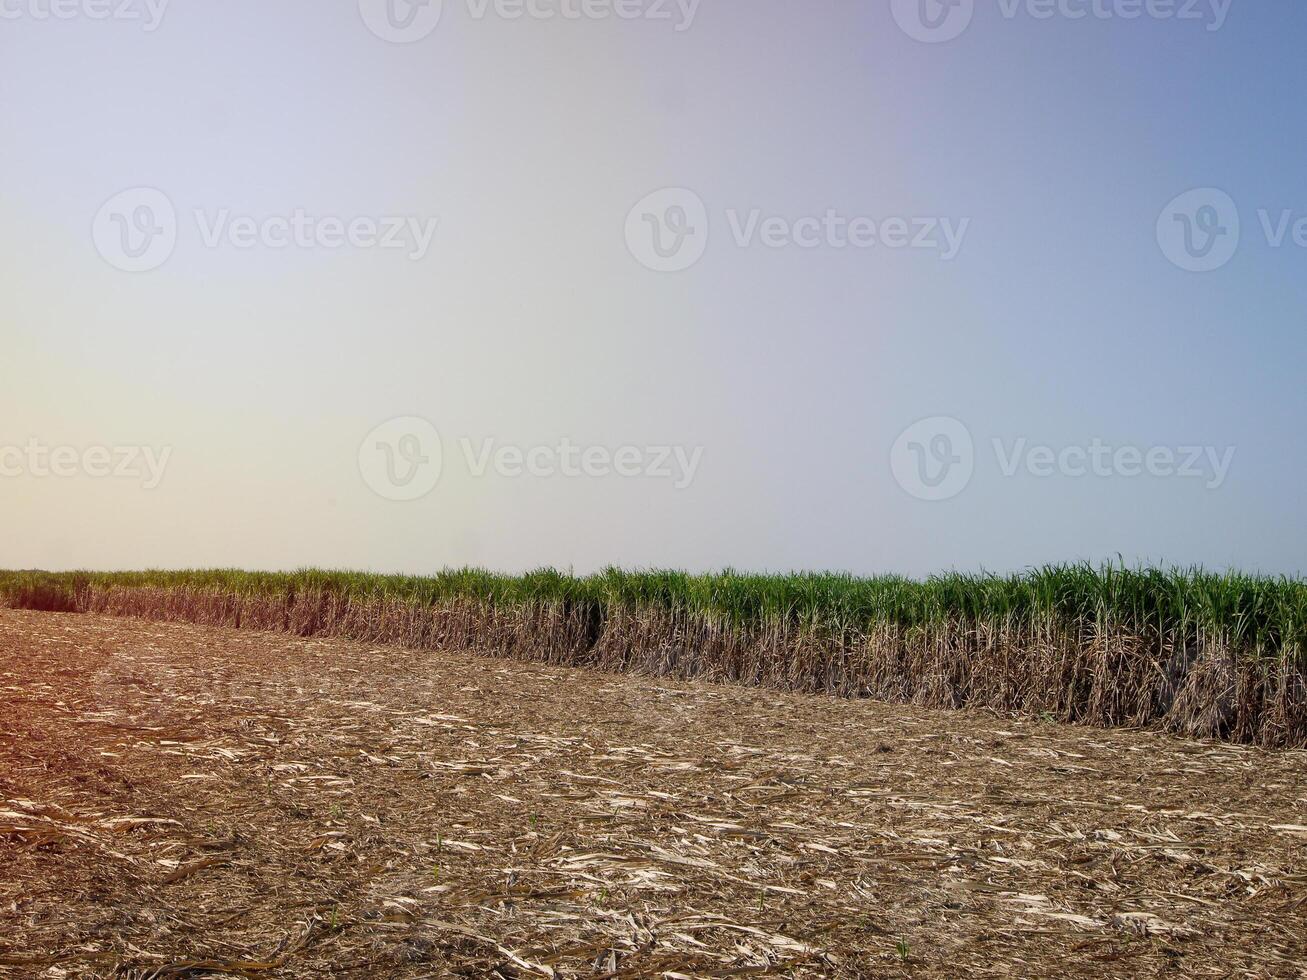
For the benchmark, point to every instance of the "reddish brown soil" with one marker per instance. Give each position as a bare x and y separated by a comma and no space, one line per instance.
185,801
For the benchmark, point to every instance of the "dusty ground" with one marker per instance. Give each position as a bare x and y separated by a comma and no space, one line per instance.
182,801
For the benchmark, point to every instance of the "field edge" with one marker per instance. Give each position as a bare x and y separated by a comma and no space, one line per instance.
1198,683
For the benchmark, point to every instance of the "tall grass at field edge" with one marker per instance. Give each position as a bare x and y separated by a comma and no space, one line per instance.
1199,652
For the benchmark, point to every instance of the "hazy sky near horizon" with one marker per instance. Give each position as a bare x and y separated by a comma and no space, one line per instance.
894,285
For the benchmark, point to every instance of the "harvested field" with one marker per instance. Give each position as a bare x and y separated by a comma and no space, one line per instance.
179,800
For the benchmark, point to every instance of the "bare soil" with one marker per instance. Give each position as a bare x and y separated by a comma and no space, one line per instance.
179,800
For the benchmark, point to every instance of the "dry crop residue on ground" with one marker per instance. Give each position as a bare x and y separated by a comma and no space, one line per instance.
186,801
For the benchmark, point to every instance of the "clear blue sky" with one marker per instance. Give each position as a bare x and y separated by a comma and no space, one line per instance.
791,372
